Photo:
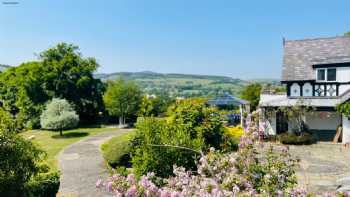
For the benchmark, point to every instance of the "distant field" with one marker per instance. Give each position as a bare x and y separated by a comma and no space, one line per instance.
184,84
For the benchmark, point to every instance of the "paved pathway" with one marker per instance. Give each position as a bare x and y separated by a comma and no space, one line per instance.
321,165
81,164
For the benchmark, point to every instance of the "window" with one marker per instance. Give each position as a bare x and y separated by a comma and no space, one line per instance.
321,74
329,74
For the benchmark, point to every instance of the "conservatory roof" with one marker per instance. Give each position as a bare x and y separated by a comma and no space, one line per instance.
227,99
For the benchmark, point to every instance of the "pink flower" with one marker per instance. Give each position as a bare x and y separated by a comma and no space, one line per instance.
132,191
110,186
131,179
175,194
165,193
99,183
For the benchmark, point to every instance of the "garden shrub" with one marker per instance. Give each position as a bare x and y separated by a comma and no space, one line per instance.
147,158
44,185
8,123
246,173
59,115
231,138
235,132
293,139
19,162
201,120
117,151
33,123
189,124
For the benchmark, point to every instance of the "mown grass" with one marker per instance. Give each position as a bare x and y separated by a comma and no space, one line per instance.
53,143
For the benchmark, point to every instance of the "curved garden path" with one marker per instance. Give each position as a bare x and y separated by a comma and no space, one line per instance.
81,164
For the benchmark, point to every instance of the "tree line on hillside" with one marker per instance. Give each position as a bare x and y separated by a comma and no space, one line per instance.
61,72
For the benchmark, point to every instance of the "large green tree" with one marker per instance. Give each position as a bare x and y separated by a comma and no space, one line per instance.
21,92
61,72
122,99
252,94
154,106
70,76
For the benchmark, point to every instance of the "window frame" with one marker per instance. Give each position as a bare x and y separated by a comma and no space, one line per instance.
335,74
326,74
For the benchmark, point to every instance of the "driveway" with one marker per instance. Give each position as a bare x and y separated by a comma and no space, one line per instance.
321,165
81,164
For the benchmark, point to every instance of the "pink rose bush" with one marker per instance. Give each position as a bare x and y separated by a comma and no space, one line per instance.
251,171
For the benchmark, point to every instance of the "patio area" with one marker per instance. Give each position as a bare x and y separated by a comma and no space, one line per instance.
321,165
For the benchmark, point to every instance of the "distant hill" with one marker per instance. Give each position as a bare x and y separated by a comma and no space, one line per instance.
187,85
3,67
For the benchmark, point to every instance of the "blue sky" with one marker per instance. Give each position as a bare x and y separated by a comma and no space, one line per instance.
241,39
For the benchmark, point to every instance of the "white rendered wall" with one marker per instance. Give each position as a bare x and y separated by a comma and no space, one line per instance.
343,88
346,130
343,74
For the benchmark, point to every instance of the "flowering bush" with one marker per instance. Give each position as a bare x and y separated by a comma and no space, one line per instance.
190,124
243,173
235,132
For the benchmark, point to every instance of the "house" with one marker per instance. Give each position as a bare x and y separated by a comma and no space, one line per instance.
317,72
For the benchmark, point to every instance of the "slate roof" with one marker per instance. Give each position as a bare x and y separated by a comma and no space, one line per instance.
300,55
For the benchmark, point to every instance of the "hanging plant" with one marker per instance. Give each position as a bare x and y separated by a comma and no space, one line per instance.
344,109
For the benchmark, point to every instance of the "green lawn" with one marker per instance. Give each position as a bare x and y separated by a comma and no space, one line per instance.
53,143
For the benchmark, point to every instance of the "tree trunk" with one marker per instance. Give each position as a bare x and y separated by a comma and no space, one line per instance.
61,134
121,122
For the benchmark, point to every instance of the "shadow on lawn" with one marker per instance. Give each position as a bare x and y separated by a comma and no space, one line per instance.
70,135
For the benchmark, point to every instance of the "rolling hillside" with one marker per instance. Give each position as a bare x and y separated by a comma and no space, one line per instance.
186,85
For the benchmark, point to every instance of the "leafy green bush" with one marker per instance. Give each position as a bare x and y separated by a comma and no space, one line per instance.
148,157
19,162
344,109
117,151
59,115
7,123
293,139
190,124
44,185
200,120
